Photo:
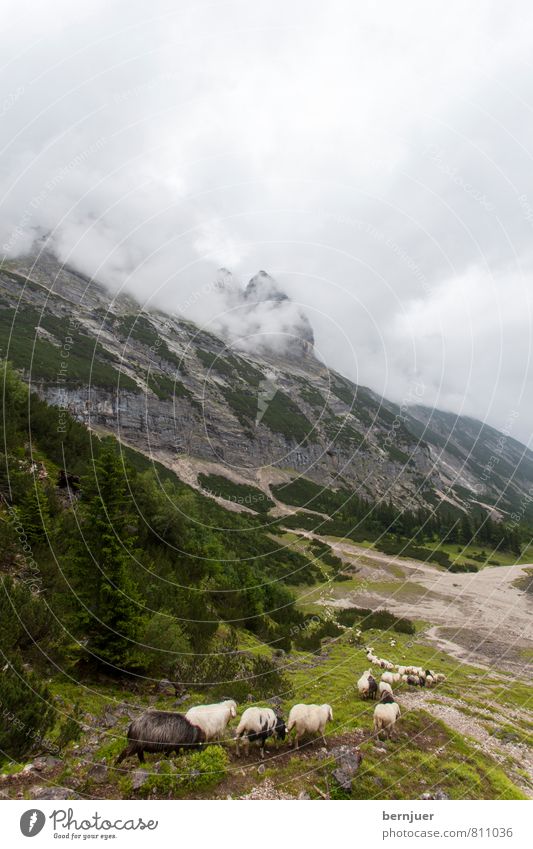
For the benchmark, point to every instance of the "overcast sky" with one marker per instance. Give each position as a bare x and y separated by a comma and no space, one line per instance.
374,157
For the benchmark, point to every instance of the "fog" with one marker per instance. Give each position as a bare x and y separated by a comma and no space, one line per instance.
375,159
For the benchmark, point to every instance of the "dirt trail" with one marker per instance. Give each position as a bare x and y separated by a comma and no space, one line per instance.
477,617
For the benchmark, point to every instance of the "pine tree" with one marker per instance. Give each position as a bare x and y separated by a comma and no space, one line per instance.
108,611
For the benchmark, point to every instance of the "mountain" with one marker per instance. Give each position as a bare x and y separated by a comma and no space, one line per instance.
261,413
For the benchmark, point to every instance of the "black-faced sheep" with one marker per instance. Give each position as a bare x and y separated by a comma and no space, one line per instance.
213,719
161,731
258,724
308,719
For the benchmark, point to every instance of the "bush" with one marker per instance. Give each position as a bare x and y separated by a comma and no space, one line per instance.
310,638
381,620
190,773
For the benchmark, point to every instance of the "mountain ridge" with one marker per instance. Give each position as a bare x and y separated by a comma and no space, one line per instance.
163,385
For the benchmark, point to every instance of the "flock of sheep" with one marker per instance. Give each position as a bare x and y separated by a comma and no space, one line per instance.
387,712
165,731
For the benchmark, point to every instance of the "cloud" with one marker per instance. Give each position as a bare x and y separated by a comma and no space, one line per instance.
375,160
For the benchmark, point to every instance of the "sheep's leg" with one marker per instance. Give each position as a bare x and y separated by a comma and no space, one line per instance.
237,751
125,753
140,755
295,744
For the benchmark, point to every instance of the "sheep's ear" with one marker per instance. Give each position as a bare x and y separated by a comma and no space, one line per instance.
233,711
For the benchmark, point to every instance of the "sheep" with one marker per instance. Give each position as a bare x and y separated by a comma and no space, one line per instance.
310,719
363,685
391,677
259,724
386,714
213,719
383,687
401,670
161,731
439,678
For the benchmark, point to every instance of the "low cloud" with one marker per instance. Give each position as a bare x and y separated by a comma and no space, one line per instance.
376,162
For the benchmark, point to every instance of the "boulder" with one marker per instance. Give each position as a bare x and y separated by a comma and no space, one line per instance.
347,762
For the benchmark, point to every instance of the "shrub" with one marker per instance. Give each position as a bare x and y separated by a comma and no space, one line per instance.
190,773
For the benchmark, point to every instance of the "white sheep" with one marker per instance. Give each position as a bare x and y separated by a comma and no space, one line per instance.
259,724
308,719
391,677
367,685
212,719
439,678
384,687
385,716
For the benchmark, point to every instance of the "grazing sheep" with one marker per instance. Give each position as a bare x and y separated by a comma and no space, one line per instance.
308,719
372,687
213,719
259,724
391,677
161,731
362,684
386,714
439,678
383,687
402,670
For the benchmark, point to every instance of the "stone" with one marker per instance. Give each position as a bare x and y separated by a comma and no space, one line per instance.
139,778
46,762
303,795
261,769
347,762
98,773
40,792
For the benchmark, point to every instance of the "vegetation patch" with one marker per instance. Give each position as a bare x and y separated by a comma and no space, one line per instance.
249,496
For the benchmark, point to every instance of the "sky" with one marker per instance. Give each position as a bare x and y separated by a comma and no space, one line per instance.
374,158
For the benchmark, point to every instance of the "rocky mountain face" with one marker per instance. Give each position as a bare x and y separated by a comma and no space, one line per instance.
200,402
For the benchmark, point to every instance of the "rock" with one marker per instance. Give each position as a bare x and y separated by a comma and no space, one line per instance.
139,778
347,761
40,792
304,795
260,769
98,773
4,795
181,699
28,768
46,762
380,749
250,697
165,687
440,794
